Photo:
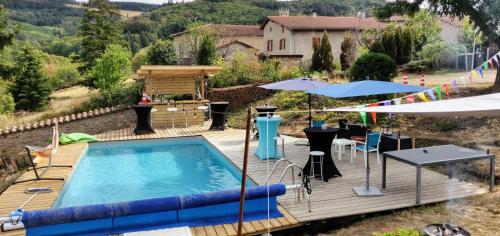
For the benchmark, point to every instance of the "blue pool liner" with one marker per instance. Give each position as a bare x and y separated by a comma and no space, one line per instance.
194,210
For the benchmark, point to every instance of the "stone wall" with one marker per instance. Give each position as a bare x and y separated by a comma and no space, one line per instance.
238,96
13,140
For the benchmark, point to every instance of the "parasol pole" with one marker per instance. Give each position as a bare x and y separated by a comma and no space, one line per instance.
244,173
310,114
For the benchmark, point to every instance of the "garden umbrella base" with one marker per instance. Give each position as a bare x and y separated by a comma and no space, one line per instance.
363,192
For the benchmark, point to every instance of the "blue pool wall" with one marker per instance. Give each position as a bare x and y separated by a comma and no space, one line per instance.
194,210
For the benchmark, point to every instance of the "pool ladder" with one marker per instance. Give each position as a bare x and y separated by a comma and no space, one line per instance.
303,189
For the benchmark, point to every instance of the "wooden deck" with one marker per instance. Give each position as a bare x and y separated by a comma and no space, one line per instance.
329,199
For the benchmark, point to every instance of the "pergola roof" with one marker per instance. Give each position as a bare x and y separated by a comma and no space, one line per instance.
177,71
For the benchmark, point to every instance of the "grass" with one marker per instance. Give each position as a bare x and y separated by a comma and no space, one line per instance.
63,101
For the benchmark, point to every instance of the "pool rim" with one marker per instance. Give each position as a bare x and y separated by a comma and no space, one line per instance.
199,137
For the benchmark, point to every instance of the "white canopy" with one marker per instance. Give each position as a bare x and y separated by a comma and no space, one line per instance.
476,106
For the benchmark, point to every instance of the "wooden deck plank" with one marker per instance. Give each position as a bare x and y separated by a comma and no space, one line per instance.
329,199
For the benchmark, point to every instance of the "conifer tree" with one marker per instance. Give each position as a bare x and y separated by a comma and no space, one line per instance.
30,87
322,59
100,27
326,54
207,53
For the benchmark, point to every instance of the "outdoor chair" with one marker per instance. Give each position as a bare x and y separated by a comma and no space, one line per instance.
371,144
35,154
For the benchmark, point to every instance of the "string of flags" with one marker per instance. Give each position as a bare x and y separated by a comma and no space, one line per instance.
437,92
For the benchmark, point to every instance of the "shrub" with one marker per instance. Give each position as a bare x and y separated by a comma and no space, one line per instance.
349,48
162,53
123,95
112,68
441,54
65,77
139,59
374,66
6,102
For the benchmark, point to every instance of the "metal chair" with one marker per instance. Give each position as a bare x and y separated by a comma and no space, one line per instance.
371,144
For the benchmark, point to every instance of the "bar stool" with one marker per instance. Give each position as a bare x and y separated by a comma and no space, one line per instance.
185,115
277,140
320,155
172,111
204,109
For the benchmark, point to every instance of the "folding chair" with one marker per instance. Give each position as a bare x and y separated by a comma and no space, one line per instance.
41,153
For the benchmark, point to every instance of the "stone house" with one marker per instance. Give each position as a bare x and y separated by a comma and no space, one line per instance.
230,40
294,36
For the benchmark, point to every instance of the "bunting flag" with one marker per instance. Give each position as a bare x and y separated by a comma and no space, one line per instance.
464,82
438,92
374,114
472,75
485,65
410,99
430,92
481,72
397,101
490,61
455,85
388,103
496,60
422,96
445,88
363,118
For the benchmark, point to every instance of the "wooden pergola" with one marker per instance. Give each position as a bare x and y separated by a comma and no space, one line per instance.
176,79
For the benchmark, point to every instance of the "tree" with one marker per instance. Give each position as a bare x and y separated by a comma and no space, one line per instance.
29,88
207,53
467,36
316,59
99,27
322,56
484,14
349,48
374,66
112,68
162,53
7,33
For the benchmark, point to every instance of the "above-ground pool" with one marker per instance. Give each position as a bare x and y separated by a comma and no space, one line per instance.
122,171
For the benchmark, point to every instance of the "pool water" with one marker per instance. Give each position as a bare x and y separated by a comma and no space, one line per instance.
132,170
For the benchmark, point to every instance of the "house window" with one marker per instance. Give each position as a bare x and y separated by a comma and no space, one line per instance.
270,29
316,41
269,45
282,44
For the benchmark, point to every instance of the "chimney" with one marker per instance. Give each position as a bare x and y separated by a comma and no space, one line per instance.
314,14
284,12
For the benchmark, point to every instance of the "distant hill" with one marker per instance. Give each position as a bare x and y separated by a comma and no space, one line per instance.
172,18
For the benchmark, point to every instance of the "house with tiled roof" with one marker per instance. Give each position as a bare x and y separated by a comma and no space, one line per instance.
230,40
294,36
